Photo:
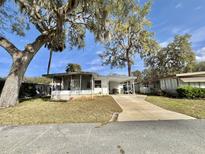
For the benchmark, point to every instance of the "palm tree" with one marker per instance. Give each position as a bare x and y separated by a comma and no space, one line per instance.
49,62
73,68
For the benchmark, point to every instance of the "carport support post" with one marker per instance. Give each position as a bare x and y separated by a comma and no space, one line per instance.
80,82
127,88
62,84
52,85
133,87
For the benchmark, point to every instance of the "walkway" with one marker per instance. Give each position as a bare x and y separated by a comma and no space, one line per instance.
135,108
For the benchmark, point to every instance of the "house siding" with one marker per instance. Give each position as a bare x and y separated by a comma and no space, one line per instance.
170,85
104,87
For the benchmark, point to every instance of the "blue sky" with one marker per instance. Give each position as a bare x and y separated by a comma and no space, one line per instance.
169,17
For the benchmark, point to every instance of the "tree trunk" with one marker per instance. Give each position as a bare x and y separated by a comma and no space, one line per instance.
21,60
10,92
128,62
49,62
129,68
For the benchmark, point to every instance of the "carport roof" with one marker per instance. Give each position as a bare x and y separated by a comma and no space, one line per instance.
117,78
68,74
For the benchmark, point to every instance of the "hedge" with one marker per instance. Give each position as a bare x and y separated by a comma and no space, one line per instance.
191,92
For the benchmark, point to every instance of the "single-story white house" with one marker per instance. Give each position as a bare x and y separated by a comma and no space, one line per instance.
67,85
170,84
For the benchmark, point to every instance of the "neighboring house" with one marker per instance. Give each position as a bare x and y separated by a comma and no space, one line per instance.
34,90
170,84
29,90
142,88
149,88
67,85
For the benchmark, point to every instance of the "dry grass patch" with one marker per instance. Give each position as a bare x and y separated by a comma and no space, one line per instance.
41,111
194,108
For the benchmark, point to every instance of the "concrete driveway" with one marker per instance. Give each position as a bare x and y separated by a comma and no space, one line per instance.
135,108
147,137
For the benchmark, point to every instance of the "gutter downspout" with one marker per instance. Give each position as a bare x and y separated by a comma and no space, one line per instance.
134,87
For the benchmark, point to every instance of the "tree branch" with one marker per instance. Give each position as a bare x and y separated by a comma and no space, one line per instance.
69,7
33,13
8,46
37,44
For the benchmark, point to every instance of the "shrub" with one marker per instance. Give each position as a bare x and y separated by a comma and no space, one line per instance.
191,92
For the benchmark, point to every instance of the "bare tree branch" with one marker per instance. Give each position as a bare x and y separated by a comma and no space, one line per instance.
33,13
68,7
37,44
8,46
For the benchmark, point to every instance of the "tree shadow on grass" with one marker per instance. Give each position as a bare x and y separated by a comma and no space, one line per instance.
45,99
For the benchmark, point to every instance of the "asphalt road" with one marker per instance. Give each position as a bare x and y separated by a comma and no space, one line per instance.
182,136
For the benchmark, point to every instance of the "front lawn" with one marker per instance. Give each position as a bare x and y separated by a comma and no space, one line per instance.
194,108
41,111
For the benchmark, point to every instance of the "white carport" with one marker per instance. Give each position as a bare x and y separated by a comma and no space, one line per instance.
123,84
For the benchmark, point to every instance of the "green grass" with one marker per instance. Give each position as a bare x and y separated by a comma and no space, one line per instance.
39,111
194,108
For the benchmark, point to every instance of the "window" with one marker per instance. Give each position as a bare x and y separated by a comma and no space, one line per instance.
88,84
98,84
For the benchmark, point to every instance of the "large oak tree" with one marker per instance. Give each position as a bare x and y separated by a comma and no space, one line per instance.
129,36
58,22
177,57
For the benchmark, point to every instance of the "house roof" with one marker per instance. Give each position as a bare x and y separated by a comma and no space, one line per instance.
193,79
68,74
117,78
191,74
195,75
114,78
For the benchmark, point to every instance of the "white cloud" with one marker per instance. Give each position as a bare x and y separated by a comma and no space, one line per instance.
200,55
59,64
185,31
99,52
176,30
164,44
96,61
198,8
180,30
179,5
95,65
198,35
95,68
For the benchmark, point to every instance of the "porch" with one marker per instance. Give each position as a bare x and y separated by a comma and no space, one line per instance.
72,84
